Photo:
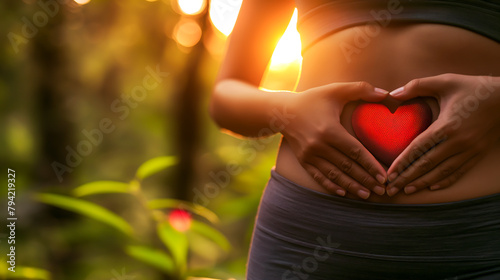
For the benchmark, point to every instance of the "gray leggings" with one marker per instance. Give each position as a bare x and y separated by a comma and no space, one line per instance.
303,234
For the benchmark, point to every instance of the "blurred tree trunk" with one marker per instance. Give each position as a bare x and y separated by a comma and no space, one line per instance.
189,130
52,92
51,99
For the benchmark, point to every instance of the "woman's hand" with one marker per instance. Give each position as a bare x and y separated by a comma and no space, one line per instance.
467,126
333,157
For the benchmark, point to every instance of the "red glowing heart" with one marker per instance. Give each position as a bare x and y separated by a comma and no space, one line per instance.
386,134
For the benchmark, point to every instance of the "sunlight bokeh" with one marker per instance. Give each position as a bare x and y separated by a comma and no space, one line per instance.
223,14
187,33
81,2
191,7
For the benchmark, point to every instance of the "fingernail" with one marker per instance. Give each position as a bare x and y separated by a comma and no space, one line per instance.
435,187
379,190
381,179
410,189
379,90
392,191
363,194
393,176
340,192
397,91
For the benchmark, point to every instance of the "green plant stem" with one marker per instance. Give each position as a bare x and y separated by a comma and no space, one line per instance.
156,215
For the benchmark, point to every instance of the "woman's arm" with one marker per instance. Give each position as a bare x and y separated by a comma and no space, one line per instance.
237,104
244,109
309,121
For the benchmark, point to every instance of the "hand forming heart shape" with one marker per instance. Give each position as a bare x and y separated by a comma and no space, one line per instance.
387,133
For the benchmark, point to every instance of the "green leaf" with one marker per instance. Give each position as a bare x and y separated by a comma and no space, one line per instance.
176,242
101,187
154,166
87,209
203,247
185,205
211,233
24,272
153,257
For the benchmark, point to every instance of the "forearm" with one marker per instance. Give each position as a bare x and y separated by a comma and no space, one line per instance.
244,109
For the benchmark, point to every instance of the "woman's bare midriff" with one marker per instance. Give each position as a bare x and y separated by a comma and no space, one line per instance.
389,60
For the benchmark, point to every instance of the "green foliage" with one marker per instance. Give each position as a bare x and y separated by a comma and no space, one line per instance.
101,64
185,205
87,209
154,166
101,187
176,242
23,272
173,261
211,233
153,257
240,207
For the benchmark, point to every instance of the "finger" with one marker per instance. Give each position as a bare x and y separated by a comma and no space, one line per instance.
424,173
425,164
427,140
357,90
450,180
323,181
427,86
340,178
352,169
354,150
438,174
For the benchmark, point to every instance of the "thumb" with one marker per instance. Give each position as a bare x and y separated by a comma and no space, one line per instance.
428,86
364,91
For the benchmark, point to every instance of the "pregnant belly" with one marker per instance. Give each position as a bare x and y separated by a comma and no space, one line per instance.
386,132
393,58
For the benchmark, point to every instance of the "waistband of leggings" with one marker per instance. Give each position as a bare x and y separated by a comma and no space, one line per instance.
290,188
461,230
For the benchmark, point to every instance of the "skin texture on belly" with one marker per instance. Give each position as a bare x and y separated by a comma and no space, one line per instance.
390,60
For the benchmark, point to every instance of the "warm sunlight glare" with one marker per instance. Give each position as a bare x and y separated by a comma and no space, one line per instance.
81,2
191,7
288,49
223,14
